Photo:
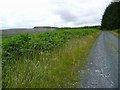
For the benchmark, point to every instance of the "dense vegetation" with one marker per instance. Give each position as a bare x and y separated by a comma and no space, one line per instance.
28,44
44,60
111,17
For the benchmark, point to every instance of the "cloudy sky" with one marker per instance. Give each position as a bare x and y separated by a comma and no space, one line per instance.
68,13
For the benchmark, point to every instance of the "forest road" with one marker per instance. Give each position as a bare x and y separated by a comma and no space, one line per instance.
102,68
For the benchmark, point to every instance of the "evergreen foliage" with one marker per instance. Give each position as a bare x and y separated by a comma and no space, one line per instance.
111,17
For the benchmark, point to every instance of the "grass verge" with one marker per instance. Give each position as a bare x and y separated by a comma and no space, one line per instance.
116,33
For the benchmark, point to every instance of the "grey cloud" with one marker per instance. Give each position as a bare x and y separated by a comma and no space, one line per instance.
78,18
67,16
87,20
78,14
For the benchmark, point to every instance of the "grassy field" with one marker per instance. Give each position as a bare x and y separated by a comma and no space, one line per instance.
46,60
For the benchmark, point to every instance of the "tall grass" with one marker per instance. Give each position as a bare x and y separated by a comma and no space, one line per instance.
51,64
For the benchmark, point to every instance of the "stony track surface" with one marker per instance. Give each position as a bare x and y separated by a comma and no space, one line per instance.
102,67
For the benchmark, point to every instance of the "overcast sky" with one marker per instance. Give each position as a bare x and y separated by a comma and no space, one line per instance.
71,13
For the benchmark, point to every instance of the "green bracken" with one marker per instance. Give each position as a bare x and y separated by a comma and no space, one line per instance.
46,60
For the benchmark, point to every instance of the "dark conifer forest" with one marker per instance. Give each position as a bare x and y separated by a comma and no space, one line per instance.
111,17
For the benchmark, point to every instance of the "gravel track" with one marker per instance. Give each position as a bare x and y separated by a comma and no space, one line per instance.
102,67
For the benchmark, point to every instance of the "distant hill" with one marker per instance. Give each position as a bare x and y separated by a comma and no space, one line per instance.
111,17
36,29
9,32
49,27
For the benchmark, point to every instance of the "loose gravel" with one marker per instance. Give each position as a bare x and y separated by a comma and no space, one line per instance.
102,67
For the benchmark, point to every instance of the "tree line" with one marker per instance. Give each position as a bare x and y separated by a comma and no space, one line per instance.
111,17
